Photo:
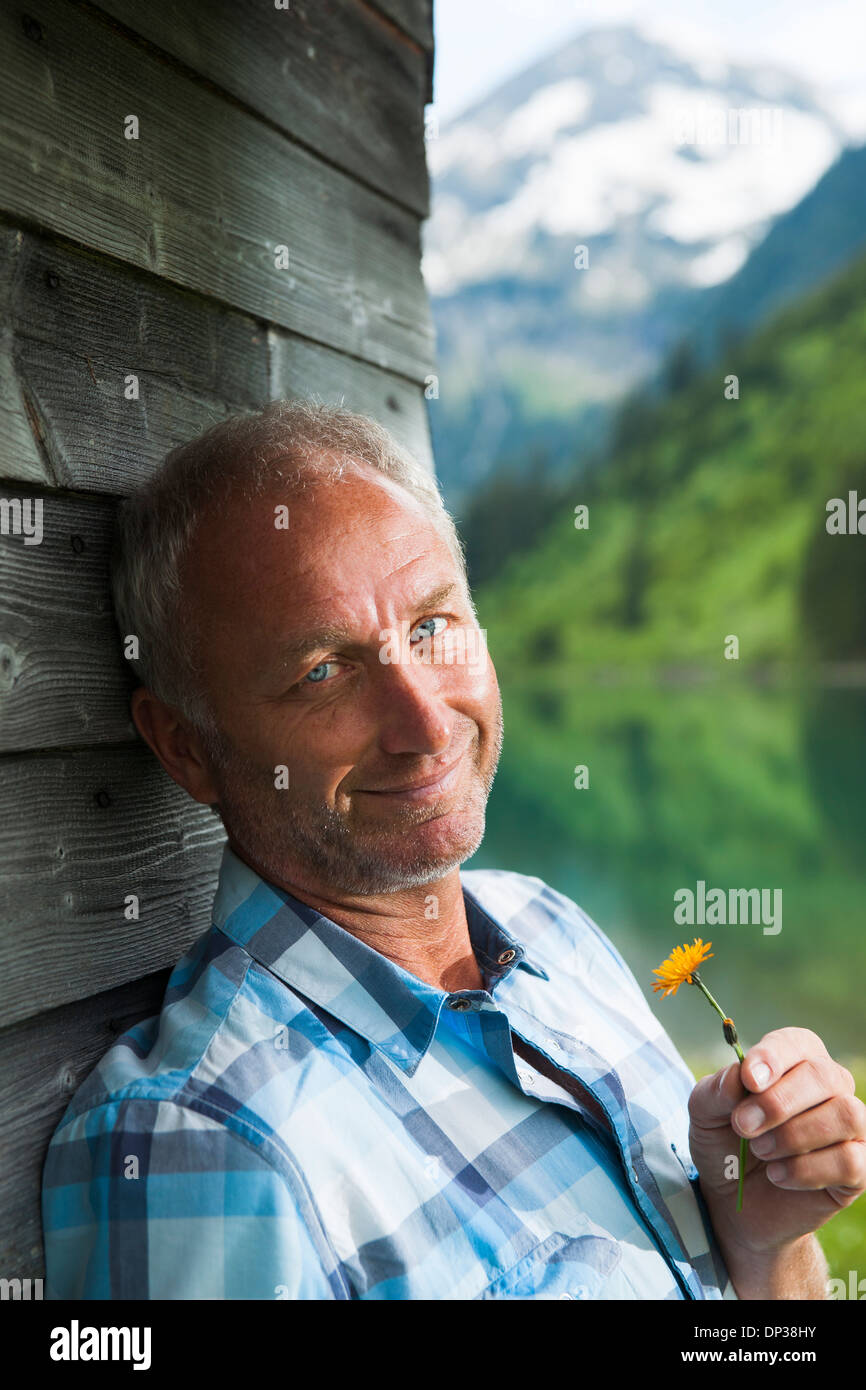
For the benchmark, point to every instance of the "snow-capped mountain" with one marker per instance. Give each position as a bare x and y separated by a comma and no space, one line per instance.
577,212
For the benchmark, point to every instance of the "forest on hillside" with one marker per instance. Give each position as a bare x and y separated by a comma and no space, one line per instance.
706,515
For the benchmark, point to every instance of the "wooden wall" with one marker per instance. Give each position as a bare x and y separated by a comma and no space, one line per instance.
154,257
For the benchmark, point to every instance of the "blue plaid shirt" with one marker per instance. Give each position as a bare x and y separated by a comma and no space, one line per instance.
307,1120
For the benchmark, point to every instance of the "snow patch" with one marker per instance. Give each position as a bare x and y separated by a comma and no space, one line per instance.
534,124
720,262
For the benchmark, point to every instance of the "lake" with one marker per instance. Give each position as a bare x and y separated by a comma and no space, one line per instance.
732,785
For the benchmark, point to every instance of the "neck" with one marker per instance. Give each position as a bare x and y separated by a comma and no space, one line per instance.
423,929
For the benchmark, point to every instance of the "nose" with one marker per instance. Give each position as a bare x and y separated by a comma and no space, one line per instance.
415,717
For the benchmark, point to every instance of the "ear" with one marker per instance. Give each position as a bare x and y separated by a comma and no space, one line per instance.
178,746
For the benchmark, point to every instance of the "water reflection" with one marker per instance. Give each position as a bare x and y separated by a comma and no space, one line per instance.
737,786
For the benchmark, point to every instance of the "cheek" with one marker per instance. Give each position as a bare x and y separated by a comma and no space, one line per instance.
467,686
480,687
324,749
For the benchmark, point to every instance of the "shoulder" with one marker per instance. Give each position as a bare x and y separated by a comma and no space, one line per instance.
172,1133
133,1181
205,1052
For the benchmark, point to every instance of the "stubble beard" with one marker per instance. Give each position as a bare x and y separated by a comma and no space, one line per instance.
285,833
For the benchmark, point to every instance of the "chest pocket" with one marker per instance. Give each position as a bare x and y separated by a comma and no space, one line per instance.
560,1267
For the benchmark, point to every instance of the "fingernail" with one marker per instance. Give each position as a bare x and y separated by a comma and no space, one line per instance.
750,1118
761,1073
764,1146
776,1172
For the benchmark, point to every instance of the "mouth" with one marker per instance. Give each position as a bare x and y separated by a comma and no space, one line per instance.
425,788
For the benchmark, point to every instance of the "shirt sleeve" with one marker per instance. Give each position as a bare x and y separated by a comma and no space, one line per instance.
150,1199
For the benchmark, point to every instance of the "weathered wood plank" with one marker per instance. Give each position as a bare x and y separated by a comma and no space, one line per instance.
81,325
63,679
78,326
329,73
43,1061
414,17
206,195
16,435
298,367
78,833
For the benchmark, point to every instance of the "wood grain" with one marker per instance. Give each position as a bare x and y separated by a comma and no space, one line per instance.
78,326
396,403
43,1061
329,73
78,833
205,196
63,678
414,17
19,445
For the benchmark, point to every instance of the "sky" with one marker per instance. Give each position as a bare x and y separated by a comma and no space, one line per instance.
479,43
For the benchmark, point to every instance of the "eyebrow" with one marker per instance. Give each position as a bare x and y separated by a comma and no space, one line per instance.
295,650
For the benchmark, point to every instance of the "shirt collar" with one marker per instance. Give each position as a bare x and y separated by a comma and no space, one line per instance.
394,1010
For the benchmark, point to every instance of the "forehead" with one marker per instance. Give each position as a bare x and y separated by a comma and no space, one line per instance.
340,542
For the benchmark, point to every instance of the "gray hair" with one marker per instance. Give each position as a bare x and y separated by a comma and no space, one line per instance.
292,443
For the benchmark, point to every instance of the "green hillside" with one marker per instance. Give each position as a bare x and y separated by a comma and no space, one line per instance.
709,518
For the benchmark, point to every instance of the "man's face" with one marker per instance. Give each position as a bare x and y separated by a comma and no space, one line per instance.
291,626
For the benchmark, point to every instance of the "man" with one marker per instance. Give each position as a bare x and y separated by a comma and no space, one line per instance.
373,1078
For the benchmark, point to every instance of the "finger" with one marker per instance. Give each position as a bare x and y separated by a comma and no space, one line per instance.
833,1122
840,1166
776,1053
714,1097
805,1085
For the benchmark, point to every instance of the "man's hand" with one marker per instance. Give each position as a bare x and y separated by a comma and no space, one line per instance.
806,1159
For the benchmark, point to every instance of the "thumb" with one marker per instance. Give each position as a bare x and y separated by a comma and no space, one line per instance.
714,1097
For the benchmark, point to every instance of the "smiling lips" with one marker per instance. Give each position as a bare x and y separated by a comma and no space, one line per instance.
427,788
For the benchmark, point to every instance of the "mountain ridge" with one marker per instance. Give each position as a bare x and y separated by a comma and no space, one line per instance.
535,353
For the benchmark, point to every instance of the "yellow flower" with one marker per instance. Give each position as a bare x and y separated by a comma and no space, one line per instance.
681,965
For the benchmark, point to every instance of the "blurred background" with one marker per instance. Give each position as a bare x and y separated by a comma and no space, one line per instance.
632,204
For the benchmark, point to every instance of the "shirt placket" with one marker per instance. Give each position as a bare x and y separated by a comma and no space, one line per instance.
622,1136
487,1026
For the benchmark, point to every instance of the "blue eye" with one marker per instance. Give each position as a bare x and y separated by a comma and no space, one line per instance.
425,623
311,675
424,632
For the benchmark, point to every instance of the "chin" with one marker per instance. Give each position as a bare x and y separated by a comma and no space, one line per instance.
441,842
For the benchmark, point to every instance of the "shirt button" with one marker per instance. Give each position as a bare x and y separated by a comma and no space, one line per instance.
635,1175
458,1003
525,1078
506,956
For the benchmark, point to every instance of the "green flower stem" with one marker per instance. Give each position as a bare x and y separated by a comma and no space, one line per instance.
744,1143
